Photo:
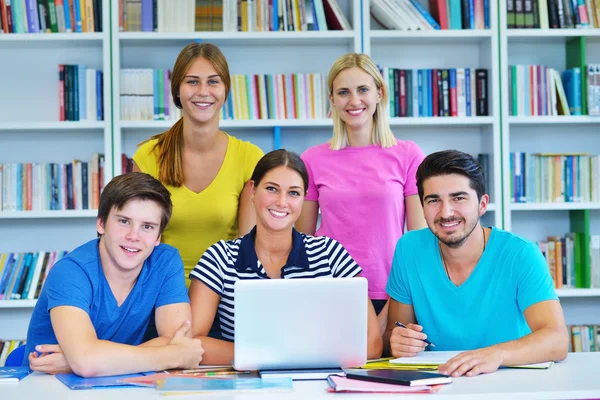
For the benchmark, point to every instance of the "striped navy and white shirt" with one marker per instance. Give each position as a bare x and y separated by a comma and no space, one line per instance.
225,262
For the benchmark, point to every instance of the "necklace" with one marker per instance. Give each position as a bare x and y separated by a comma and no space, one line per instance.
444,261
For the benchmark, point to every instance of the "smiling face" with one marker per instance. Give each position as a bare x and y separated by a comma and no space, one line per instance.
278,199
202,92
129,235
451,208
355,97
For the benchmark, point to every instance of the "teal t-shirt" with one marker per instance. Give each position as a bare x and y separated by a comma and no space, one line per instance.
488,307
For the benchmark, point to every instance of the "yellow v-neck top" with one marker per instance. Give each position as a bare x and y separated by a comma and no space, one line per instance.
202,219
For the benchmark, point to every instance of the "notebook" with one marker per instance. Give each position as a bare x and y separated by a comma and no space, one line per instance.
13,374
395,377
343,384
76,382
299,323
436,358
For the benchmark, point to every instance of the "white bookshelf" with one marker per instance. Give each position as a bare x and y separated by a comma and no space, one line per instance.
30,131
452,49
38,136
547,134
246,53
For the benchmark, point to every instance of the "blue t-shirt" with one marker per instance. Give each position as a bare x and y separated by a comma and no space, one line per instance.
488,307
78,280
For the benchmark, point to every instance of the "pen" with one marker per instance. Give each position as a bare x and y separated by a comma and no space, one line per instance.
404,326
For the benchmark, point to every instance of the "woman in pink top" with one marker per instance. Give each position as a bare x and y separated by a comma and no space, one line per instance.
363,179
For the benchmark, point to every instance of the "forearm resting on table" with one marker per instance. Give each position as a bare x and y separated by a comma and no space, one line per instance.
216,351
545,344
103,358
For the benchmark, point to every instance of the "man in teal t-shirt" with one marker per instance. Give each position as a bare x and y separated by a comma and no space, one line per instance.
466,287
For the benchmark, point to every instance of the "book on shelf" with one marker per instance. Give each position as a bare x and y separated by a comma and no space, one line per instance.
405,15
554,178
53,16
538,90
80,93
52,186
22,275
145,95
554,14
593,88
565,258
584,338
6,347
454,92
230,15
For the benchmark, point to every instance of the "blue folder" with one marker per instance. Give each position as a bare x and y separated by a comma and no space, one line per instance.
76,382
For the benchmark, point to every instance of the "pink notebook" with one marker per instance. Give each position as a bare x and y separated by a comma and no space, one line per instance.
343,384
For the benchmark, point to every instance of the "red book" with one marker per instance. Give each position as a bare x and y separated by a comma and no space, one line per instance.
434,93
61,92
439,11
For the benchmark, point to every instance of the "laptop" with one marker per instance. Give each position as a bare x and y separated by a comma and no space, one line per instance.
300,323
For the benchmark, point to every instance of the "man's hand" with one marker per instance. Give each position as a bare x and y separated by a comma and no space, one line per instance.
50,360
190,350
407,342
474,362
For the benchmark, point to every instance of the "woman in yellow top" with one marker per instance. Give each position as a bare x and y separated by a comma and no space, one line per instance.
204,168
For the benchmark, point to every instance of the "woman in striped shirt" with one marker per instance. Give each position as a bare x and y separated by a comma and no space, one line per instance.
272,250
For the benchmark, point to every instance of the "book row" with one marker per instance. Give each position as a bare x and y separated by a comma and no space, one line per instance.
230,15
145,94
584,338
55,186
554,178
455,92
410,15
80,94
6,347
22,275
50,16
565,258
539,90
553,14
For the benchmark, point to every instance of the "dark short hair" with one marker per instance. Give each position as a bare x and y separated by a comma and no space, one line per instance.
451,162
135,185
277,158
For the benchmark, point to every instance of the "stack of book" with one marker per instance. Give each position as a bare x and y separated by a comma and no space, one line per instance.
231,15
554,177
50,16
564,256
584,338
554,14
80,93
54,186
454,92
22,275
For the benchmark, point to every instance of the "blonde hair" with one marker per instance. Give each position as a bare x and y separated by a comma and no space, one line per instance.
170,143
382,134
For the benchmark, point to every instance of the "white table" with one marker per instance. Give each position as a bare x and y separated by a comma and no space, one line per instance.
576,378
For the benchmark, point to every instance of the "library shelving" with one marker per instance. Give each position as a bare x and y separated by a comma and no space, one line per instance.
31,132
559,49
464,48
247,53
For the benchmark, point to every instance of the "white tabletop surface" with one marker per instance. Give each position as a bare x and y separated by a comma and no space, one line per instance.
576,378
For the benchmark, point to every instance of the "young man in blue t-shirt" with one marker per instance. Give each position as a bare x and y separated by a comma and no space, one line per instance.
97,301
466,287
